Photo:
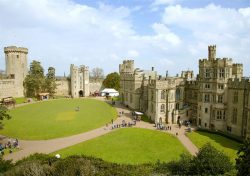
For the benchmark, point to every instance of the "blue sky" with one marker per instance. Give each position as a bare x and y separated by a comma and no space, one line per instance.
167,34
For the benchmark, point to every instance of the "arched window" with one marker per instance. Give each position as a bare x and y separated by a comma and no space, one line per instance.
163,94
178,94
162,107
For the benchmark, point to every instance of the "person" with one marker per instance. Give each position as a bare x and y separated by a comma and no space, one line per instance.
176,133
170,128
112,121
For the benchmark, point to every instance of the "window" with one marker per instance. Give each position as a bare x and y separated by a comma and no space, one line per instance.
207,98
17,56
163,94
220,98
152,95
234,116
221,73
207,86
207,74
221,114
152,107
177,106
206,110
235,98
178,94
131,98
221,86
163,108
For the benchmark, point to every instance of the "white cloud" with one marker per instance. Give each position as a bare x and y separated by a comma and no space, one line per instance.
164,2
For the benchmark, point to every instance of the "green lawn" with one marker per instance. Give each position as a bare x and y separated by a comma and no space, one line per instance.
228,146
20,100
130,146
57,118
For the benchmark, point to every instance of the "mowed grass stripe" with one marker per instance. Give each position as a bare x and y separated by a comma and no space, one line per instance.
57,118
130,146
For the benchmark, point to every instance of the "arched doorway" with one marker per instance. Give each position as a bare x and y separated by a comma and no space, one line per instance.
80,93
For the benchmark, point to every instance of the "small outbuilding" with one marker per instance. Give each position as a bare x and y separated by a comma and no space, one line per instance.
43,96
109,92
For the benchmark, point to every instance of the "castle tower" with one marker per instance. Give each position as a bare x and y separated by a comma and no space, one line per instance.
74,80
85,80
16,66
212,52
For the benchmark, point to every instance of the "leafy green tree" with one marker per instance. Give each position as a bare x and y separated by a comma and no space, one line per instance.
243,160
50,81
112,81
210,161
34,81
3,114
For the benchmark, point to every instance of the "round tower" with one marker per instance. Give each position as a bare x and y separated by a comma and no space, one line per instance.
16,66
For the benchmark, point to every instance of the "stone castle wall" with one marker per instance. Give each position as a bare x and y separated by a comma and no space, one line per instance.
7,88
63,87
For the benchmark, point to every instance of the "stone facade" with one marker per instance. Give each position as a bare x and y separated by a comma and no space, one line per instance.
218,98
16,71
11,83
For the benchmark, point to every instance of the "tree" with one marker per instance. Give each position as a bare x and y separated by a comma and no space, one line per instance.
112,81
243,160
34,81
50,81
3,114
97,73
208,161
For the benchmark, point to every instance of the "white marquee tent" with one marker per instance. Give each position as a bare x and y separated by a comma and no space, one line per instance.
109,92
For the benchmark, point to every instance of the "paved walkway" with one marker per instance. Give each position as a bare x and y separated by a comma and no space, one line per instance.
49,146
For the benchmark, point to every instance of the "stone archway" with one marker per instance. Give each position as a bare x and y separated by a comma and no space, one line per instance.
80,93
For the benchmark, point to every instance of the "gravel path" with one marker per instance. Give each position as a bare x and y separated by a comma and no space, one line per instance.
49,146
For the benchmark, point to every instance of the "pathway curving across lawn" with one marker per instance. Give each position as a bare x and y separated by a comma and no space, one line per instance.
57,118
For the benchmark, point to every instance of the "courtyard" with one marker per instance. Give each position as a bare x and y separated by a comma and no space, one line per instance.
57,118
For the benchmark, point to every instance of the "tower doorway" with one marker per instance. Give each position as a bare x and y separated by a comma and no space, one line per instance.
80,93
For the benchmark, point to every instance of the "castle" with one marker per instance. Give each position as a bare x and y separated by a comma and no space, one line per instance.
11,83
218,98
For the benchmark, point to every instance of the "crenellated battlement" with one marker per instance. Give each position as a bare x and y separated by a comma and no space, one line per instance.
239,82
11,49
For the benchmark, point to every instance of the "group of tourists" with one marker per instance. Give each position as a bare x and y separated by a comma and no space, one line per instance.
9,145
122,125
161,126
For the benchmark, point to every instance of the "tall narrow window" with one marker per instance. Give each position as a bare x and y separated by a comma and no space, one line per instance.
221,73
219,114
220,98
178,94
235,97
162,107
234,116
207,98
177,106
163,94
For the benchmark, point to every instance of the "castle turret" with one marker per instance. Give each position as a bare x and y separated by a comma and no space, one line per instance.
212,52
16,66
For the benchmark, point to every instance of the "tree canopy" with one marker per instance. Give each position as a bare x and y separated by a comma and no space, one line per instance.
112,81
3,114
243,160
97,74
35,82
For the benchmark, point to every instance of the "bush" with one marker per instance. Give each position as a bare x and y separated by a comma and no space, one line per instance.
5,165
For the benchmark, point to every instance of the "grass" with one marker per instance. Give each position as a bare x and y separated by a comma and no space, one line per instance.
226,145
57,118
129,146
20,100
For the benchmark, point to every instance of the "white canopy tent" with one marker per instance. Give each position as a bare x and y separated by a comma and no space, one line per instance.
109,92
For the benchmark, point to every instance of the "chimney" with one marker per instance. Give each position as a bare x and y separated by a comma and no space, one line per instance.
152,68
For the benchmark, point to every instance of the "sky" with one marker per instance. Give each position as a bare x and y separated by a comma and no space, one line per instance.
169,35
